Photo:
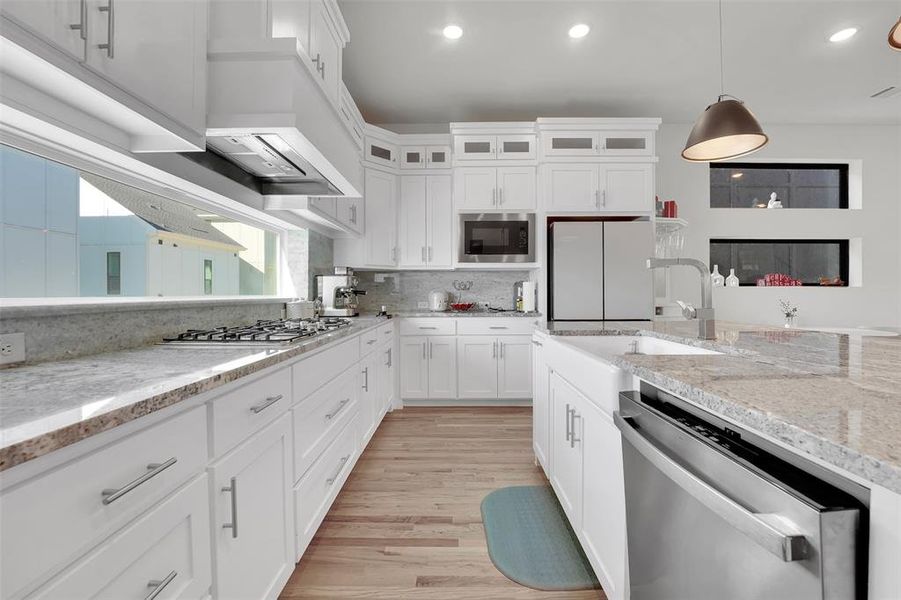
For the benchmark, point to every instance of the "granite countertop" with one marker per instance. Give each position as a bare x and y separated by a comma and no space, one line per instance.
467,314
47,406
836,397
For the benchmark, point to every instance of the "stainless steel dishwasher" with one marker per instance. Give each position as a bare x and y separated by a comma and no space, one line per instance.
713,513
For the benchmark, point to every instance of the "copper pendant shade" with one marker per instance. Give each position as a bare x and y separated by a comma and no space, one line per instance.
894,36
725,130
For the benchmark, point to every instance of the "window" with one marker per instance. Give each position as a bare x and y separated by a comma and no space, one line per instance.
113,273
75,229
813,262
796,185
207,277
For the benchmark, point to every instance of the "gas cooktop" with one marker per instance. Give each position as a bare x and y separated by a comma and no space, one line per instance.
278,331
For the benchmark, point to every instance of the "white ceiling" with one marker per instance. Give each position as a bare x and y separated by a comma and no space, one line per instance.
642,58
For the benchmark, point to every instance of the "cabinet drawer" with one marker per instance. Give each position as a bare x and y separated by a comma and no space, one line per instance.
386,331
311,373
319,418
500,326
369,340
428,326
314,494
50,520
237,414
169,546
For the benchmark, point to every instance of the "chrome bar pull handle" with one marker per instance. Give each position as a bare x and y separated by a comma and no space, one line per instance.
233,490
154,469
604,198
424,355
341,406
430,348
110,11
366,379
568,434
331,480
82,25
501,344
265,404
159,585
388,364
497,327
430,254
572,428
597,198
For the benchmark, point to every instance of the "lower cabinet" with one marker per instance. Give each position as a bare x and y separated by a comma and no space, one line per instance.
428,367
371,400
586,472
494,367
253,517
540,405
164,554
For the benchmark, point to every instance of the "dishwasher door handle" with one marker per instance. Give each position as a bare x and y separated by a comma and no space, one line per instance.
764,529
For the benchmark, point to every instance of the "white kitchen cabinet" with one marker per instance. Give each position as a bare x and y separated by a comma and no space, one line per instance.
516,188
388,374
566,447
540,406
590,187
169,545
627,187
155,50
414,367
495,188
325,51
380,152
350,213
475,147
425,221
371,394
381,224
326,205
603,521
477,361
475,187
494,367
442,368
412,219
412,157
253,517
627,143
57,22
571,187
516,147
514,367
571,143
437,157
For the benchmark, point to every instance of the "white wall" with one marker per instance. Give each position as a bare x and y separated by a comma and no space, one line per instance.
877,302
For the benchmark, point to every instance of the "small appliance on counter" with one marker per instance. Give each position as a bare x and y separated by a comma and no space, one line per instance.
338,293
525,296
438,301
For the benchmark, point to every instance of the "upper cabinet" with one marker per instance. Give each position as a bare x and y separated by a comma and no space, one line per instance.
380,152
425,157
325,50
600,138
148,56
494,147
592,187
496,188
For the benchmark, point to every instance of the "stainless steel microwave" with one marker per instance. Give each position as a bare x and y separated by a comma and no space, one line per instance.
497,238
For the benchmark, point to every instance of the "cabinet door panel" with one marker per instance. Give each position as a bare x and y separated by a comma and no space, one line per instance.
477,360
513,147
51,20
325,51
440,221
516,188
414,367
475,187
370,394
412,157
566,452
540,407
442,366
571,187
256,560
627,188
604,526
380,217
158,53
475,147
438,157
514,367
565,143
413,243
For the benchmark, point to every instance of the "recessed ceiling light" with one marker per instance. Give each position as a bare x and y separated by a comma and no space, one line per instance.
579,30
844,34
453,32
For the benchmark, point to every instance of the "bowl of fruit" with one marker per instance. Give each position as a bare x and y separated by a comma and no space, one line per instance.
461,306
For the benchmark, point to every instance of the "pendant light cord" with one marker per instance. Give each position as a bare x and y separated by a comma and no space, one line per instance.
722,54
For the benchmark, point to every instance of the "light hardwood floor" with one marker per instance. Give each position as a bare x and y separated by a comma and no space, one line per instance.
407,523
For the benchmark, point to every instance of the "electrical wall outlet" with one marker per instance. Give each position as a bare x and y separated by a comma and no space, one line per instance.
422,305
12,348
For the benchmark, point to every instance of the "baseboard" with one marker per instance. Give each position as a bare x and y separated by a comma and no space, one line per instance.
468,402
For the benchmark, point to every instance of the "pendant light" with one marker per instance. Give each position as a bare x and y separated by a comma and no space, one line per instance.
726,129
894,36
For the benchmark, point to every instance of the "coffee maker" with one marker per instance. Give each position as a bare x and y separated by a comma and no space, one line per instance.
338,293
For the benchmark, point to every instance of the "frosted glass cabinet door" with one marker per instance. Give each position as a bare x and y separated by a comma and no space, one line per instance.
571,143
475,147
516,147
412,157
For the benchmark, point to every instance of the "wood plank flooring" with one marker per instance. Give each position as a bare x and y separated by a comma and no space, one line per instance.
407,523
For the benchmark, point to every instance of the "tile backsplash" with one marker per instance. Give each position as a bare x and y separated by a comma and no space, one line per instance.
403,290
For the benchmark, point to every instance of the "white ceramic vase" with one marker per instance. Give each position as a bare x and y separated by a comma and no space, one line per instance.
717,280
732,280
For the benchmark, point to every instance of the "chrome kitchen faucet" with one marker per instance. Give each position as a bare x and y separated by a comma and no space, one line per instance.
704,315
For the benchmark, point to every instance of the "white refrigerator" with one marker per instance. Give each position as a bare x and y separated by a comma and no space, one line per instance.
598,270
